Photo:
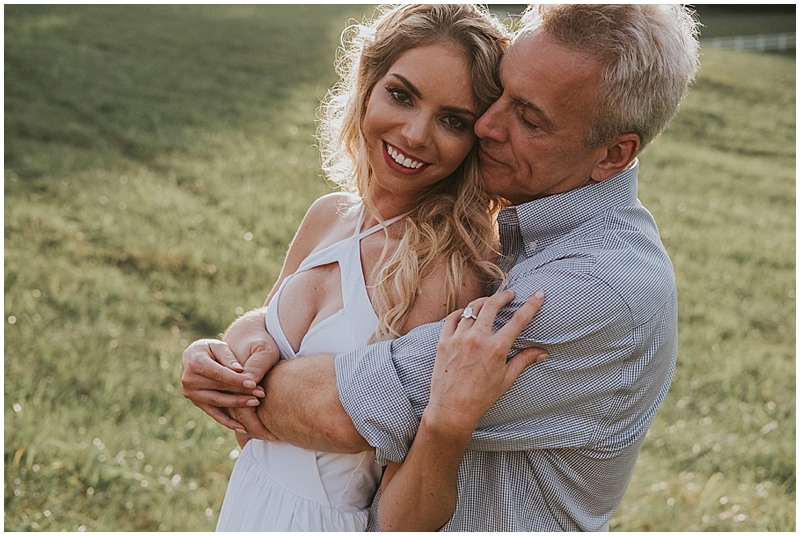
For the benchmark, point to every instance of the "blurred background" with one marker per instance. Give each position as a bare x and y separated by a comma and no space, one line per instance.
158,160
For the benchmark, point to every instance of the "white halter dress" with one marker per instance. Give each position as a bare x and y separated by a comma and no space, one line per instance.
279,487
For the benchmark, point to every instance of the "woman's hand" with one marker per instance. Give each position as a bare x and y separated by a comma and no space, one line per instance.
471,372
215,381
212,379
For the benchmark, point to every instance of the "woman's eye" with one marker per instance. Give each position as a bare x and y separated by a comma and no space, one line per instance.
399,95
453,121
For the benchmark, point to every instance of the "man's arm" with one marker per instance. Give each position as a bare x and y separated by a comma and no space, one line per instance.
302,402
385,388
302,406
605,374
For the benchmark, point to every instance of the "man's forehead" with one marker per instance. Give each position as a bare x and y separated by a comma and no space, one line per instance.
514,61
536,60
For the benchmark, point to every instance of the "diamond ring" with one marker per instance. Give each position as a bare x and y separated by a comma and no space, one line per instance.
469,313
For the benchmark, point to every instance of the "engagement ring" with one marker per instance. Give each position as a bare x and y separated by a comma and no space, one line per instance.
468,313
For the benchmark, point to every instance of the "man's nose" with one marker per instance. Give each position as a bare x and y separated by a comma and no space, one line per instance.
491,125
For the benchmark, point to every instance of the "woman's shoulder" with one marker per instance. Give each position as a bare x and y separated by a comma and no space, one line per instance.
326,221
330,213
331,207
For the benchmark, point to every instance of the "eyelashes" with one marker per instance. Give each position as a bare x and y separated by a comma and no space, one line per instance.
399,94
403,97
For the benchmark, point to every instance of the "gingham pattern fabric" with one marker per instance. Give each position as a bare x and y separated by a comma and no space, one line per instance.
556,452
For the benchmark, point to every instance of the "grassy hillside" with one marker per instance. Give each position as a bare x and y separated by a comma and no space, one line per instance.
157,162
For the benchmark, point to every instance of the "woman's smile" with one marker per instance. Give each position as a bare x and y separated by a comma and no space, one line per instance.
418,122
400,161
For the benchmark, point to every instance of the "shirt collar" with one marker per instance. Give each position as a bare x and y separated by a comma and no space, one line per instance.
542,221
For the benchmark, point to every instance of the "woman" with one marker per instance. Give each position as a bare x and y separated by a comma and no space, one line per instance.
410,239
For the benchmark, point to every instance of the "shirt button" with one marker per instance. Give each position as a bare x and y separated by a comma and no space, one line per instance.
532,245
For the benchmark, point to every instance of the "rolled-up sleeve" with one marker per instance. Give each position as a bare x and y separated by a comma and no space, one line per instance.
385,388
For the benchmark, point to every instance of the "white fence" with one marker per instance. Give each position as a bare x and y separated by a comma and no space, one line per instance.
761,43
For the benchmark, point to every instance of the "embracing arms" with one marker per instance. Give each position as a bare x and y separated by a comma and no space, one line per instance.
298,403
302,406
608,372
470,374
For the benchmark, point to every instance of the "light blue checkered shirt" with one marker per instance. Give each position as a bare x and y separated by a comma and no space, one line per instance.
557,451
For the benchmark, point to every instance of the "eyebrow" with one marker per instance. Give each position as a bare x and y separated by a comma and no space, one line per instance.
413,89
544,117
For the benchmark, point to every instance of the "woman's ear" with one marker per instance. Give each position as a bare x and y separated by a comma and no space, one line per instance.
616,156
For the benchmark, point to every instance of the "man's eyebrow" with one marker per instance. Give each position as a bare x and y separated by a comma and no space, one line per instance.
524,103
413,89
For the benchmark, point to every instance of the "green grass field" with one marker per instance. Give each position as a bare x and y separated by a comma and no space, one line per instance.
157,162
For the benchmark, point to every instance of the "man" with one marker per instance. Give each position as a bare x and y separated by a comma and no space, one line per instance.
585,89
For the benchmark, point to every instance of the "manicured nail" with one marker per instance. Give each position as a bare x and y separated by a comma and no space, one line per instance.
237,365
542,358
259,393
253,402
241,430
249,384
539,294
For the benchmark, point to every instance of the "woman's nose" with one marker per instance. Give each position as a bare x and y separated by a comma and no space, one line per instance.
416,132
490,125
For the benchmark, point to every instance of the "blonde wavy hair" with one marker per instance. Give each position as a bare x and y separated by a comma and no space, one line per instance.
454,220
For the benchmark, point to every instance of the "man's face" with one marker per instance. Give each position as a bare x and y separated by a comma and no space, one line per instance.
532,138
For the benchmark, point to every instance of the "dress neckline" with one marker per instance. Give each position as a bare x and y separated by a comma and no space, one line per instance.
376,227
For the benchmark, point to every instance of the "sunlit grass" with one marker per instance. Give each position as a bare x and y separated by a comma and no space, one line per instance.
157,162
721,184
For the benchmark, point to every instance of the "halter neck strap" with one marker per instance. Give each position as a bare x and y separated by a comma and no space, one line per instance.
376,227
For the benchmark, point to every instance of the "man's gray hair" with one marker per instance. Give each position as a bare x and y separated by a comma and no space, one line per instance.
648,53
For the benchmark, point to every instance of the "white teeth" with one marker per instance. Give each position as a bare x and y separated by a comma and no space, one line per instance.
402,159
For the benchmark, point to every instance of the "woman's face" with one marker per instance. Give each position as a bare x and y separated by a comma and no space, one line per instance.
419,119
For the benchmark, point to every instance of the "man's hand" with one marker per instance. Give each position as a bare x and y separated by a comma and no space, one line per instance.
252,346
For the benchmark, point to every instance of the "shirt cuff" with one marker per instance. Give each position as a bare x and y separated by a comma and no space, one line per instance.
373,396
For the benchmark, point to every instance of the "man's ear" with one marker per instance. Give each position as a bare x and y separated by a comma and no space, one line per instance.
615,156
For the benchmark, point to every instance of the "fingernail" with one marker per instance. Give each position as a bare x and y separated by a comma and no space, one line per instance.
241,431
542,358
539,294
259,392
237,365
252,402
249,384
